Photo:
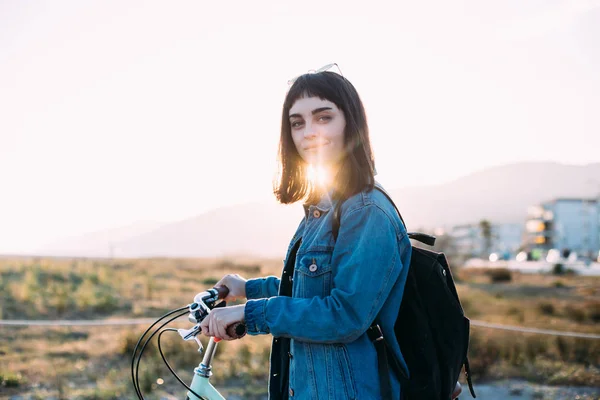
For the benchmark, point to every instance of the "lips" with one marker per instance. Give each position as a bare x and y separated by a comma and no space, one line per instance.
315,146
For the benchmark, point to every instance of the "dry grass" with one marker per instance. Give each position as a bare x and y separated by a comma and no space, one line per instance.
93,362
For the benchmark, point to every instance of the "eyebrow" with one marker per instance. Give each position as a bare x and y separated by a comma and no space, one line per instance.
315,111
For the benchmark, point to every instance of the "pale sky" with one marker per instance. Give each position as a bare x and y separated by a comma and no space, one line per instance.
113,112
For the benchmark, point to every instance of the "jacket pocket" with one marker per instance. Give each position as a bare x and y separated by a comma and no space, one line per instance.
312,275
345,370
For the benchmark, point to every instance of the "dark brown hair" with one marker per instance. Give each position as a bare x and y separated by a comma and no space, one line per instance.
357,167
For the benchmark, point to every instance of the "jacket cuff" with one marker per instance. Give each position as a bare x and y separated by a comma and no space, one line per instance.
254,314
254,288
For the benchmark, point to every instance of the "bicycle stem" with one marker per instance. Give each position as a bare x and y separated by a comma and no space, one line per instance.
200,383
204,368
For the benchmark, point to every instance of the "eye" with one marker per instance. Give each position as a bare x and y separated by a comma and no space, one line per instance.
296,124
325,118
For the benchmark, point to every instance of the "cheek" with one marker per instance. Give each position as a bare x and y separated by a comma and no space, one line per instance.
338,140
339,134
296,139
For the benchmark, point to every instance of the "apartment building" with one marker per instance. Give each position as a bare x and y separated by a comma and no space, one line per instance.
566,224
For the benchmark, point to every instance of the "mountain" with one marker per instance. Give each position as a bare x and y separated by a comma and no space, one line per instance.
500,194
101,243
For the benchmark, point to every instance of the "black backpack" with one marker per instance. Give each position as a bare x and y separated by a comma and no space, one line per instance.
435,345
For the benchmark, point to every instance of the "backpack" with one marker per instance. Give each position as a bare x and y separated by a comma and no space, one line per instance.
435,347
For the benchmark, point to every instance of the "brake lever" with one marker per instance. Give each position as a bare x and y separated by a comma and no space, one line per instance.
192,334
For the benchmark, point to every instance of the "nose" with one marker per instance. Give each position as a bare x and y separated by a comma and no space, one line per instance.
310,131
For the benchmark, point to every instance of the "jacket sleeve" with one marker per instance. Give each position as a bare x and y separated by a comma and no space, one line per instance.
260,288
368,255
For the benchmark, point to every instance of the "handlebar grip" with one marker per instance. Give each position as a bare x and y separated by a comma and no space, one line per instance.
222,291
237,330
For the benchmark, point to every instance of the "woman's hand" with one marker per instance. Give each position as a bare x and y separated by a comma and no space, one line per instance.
457,390
236,285
216,323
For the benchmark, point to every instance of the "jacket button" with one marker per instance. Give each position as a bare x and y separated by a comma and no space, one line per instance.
316,213
312,267
291,392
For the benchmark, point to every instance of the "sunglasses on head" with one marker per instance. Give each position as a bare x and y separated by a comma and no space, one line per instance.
316,71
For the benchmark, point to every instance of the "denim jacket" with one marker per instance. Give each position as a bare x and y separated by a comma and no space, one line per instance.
338,289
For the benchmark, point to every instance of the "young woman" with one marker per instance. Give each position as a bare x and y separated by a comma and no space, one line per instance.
331,289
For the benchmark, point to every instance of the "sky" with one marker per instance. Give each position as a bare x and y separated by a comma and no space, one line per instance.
116,112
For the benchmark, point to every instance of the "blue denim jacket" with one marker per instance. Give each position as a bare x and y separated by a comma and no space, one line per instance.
339,288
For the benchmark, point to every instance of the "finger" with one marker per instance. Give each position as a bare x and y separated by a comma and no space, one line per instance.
226,282
217,322
213,327
222,330
204,327
210,331
222,281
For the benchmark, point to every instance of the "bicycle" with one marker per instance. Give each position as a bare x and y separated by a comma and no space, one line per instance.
200,387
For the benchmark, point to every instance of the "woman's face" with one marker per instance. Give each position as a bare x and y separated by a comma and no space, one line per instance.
317,128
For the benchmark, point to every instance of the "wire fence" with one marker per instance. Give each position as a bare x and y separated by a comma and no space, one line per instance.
145,321
524,329
99,322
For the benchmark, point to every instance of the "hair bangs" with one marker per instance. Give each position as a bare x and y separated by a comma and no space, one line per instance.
322,85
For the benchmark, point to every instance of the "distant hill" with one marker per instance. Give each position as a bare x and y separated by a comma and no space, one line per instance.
100,243
499,194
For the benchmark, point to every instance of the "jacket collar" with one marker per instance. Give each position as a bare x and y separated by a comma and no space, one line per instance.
324,205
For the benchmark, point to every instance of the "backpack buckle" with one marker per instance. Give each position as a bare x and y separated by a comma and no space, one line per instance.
375,333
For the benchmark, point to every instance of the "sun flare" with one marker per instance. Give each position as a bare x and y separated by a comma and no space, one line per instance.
318,175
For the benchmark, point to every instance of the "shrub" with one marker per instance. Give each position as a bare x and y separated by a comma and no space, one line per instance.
469,307
575,313
96,297
9,379
546,308
244,355
558,269
229,265
535,345
211,281
594,311
517,312
128,341
583,351
498,275
484,352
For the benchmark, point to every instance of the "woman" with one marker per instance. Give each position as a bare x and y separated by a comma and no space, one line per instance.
331,289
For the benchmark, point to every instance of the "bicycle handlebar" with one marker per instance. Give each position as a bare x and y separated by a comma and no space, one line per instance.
222,291
200,308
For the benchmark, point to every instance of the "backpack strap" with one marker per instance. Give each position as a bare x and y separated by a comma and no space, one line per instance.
383,362
468,376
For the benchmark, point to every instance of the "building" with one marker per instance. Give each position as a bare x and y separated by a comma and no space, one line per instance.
566,224
504,239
